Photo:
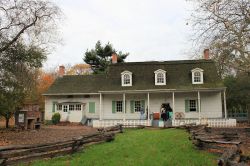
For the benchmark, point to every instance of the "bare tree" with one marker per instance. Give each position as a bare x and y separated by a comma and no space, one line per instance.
31,20
224,27
27,30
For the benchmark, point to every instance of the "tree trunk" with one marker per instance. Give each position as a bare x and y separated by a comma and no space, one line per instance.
7,122
248,112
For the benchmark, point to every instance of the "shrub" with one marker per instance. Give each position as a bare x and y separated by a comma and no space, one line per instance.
56,118
48,122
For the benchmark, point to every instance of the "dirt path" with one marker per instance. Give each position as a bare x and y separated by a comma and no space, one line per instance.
46,134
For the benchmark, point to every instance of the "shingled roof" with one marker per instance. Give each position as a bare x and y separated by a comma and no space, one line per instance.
178,76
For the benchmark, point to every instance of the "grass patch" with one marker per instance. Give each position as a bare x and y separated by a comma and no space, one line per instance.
139,147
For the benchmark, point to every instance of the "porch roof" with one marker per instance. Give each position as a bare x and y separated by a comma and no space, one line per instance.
178,77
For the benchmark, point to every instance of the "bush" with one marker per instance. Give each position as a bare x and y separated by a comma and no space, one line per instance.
56,118
48,122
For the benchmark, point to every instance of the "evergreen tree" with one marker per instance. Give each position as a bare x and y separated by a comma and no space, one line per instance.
100,57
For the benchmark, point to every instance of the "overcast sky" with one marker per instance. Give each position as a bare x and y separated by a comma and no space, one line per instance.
147,29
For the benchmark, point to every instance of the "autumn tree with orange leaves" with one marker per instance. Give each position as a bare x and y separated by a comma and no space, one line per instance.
43,80
79,69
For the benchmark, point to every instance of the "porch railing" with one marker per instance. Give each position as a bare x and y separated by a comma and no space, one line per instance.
209,122
177,122
126,123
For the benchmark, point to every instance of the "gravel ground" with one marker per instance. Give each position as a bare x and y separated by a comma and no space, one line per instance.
47,134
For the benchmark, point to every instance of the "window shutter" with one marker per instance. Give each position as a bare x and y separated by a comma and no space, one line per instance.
113,107
187,106
143,104
91,107
132,106
53,106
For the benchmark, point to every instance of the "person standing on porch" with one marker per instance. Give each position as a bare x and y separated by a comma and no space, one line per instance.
141,113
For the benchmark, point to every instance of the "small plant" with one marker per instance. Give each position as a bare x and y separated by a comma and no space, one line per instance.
56,118
48,122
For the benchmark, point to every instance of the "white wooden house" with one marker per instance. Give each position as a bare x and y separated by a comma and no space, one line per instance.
191,87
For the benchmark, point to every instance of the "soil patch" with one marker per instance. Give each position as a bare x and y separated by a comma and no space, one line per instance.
47,134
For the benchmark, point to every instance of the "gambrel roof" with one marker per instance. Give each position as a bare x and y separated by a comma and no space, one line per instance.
178,76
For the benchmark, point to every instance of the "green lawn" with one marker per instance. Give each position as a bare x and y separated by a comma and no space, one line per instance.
169,147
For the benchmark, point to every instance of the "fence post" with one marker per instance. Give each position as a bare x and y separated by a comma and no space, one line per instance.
121,128
75,146
3,161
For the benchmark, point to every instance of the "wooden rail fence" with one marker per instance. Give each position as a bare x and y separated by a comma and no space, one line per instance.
25,153
225,142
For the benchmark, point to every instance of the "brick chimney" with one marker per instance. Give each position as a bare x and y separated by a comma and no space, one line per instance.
61,71
114,58
206,54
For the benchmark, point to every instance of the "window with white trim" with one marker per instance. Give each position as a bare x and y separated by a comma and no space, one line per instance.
126,78
65,108
160,77
137,106
71,107
197,76
59,107
78,107
119,106
192,106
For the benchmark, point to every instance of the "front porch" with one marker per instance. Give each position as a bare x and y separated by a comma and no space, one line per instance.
119,107
184,104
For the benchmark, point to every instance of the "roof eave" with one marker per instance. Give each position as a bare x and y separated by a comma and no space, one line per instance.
65,94
167,90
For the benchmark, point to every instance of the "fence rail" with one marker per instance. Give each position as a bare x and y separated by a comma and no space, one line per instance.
25,153
228,142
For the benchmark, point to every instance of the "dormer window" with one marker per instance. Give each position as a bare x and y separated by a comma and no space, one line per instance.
126,78
197,76
160,77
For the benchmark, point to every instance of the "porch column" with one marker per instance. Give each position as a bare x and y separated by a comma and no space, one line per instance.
124,106
199,104
100,113
148,109
173,97
225,103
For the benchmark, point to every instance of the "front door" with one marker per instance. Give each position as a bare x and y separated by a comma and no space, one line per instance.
65,113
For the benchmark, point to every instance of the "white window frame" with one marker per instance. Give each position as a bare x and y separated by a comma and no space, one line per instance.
65,108
127,73
59,107
201,76
160,71
78,107
71,107
137,106
120,106
194,106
